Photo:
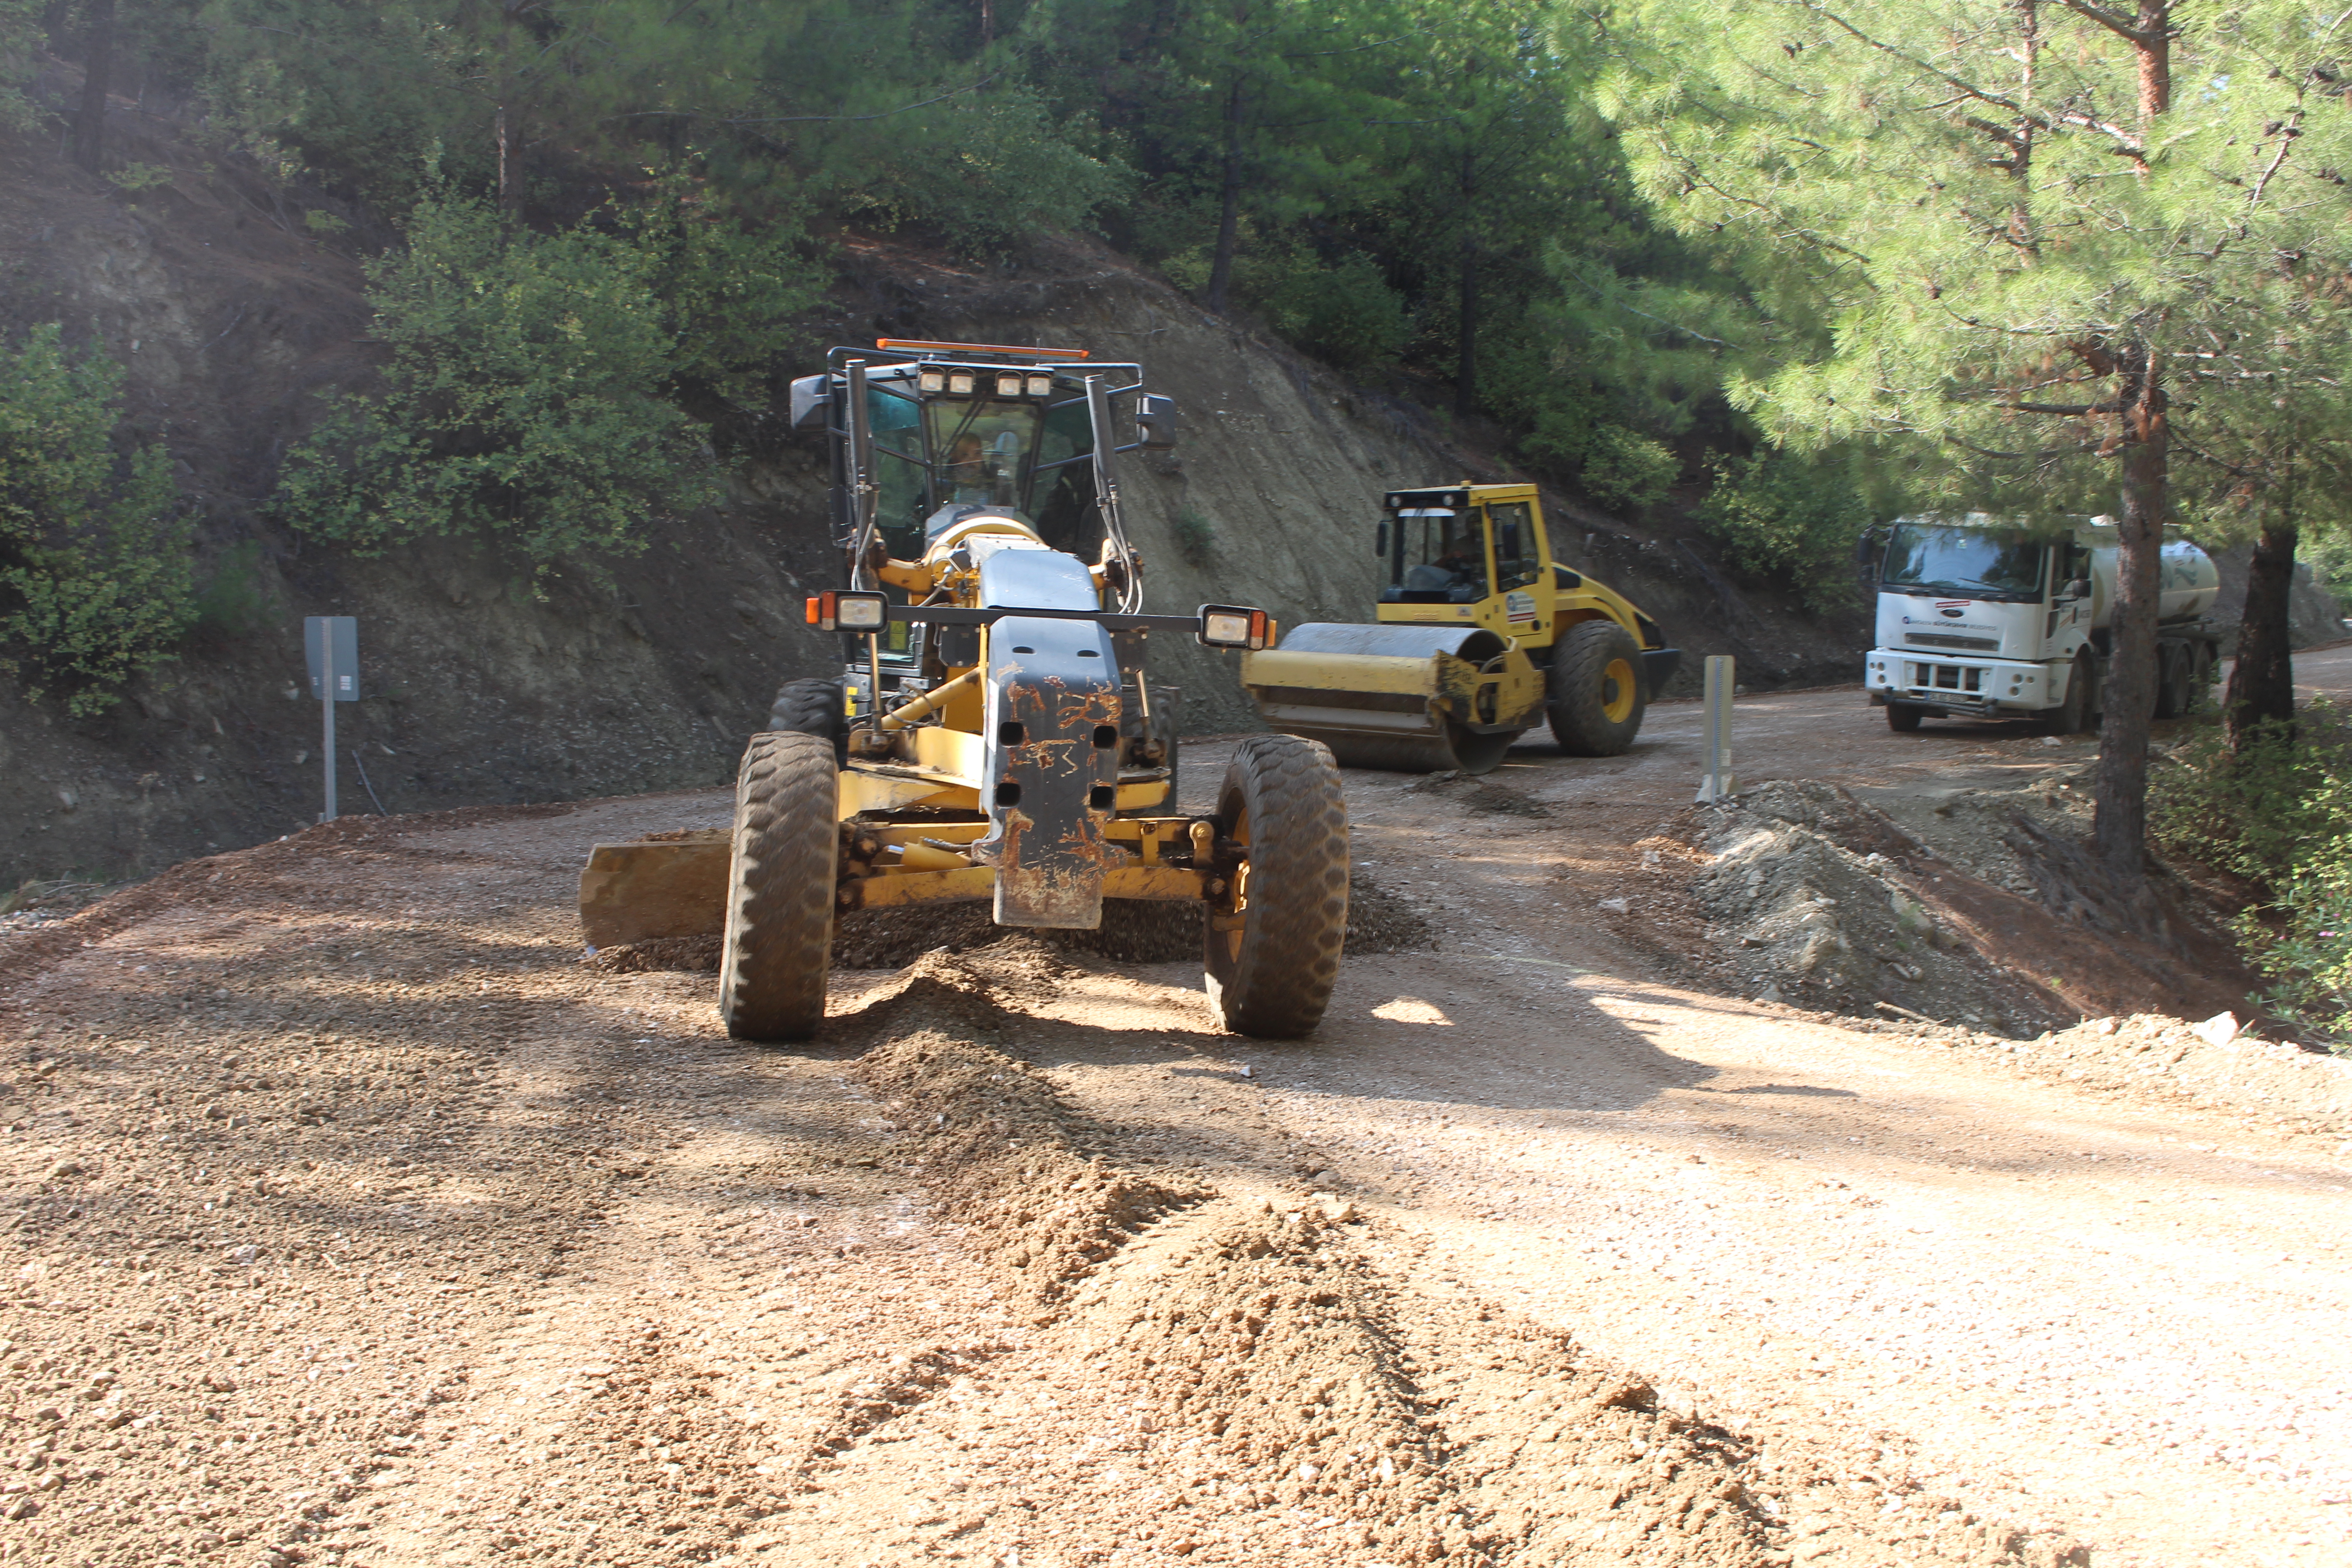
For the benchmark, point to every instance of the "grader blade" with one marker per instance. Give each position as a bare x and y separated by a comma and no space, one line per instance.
672,885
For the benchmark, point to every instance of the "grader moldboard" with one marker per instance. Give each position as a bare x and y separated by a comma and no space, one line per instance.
1482,636
995,735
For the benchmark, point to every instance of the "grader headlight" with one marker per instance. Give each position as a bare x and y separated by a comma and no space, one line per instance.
849,612
1234,625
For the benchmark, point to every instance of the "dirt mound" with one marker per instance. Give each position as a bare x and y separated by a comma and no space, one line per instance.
1280,1356
1811,906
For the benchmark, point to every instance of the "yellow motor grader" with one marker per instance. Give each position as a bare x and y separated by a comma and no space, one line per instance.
994,735
1481,636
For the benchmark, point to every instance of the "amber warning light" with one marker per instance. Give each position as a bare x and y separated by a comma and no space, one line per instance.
914,346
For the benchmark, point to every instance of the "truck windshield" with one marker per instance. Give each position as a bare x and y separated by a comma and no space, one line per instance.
1973,560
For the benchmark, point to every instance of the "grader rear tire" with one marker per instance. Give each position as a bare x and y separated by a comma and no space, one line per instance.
1272,961
813,708
779,889
1598,691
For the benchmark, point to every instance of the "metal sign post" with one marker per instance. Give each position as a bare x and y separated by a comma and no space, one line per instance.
1716,782
332,646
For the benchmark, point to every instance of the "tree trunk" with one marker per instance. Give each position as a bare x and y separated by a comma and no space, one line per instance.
90,125
2261,685
1465,364
2119,830
1229,205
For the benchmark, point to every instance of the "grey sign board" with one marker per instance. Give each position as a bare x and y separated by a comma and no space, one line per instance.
345,631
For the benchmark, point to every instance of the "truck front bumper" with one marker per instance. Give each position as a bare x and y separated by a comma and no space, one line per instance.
1981,687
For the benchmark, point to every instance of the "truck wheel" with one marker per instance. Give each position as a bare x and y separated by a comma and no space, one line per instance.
780,890
1275,935
2172,682
1597,695
2073,716
812,707
1904,717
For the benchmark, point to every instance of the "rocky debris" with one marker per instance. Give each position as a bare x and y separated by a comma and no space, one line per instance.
1809,906
1479,794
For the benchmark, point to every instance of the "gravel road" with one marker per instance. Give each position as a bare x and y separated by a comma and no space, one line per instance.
357,1221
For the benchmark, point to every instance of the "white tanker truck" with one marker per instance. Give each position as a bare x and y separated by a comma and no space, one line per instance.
1986,617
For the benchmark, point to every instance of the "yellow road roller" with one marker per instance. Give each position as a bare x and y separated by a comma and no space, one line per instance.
1481,636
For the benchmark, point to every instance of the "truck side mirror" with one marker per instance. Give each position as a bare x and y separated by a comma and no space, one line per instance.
1155,422
1866,550
1380,547
2080,588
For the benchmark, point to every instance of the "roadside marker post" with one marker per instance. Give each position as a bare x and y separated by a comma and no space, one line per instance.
1716,782
332,646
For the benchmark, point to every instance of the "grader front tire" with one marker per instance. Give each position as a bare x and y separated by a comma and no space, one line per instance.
779,889
1274,937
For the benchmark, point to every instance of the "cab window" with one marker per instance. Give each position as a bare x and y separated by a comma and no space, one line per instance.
1438,557
1518,553
983,449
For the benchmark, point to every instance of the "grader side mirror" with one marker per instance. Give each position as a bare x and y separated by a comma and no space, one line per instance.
1155,422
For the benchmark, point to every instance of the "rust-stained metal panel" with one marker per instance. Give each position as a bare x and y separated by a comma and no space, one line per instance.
1052,738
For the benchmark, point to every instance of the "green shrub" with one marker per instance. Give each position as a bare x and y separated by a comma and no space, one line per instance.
1196,536
1617,466
2277,813
96,579
1793,516
524,398
2257,814
988,170
1344,311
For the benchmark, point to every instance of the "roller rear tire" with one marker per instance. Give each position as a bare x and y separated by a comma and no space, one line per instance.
813,708
1272,961
1598,691
779,889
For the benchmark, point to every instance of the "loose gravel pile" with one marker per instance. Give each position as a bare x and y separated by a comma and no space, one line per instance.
1808,907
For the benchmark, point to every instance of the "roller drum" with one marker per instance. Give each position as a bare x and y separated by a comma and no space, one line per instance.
1372,694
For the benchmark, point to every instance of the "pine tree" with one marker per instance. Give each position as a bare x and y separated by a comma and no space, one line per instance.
2050,240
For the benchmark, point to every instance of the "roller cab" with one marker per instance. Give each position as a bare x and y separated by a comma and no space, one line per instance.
1481,635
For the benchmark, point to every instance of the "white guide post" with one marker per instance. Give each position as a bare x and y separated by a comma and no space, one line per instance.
1716,782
